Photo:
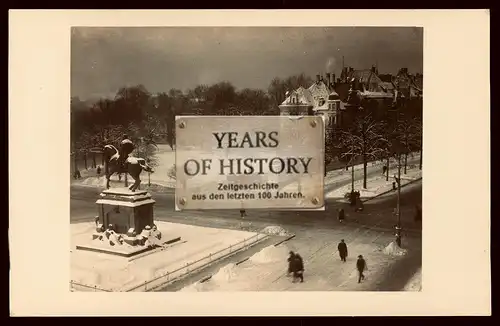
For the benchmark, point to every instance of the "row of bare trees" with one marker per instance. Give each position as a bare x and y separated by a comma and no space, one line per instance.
143,115
149,118
368,140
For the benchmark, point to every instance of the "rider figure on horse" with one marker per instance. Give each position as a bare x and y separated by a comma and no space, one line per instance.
126,147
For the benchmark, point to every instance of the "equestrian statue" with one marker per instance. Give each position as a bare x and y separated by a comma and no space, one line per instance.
119,161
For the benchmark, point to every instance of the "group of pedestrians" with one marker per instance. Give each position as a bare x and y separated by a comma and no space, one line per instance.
296,263
360,263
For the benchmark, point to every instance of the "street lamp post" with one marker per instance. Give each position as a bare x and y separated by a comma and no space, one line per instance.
398,209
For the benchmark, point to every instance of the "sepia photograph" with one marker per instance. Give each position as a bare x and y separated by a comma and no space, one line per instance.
319,186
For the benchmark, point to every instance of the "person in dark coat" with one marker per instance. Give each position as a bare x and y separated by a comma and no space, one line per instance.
341,215
298,268
361,267
342,248
352,198
98,170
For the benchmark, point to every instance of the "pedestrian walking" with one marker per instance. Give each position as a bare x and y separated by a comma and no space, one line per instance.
243,213
341,215
352,198
361,267
96,219
298,268
98,170
342,248
384,169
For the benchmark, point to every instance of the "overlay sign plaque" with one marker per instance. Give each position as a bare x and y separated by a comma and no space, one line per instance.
249,162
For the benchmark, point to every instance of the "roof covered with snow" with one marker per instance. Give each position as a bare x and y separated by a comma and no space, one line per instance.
300,96
319,91
365,76
407,80
387,86
311,96
333,96
376,94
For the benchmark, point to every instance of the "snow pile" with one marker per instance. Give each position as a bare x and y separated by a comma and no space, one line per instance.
195,287
394,250
415,283
94,181
275,230
270,254
101,182
225,274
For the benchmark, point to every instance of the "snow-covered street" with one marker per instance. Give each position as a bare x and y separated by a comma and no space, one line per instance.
324,271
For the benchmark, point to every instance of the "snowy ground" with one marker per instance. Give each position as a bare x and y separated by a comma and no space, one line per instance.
337,179
118,273
376,184
415,283
358,169
166,159
266,270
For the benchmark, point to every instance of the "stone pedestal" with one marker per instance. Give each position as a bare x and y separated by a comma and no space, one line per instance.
127,212
125,224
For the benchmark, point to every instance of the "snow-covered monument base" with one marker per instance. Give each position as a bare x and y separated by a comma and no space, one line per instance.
125,224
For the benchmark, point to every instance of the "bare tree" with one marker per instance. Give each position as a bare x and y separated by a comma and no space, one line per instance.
363,140
146,148
171,172
389,133
408,133
418,137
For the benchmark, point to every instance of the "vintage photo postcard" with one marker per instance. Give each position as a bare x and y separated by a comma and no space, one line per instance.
260,160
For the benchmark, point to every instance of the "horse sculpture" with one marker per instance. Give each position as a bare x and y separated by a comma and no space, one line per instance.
134,166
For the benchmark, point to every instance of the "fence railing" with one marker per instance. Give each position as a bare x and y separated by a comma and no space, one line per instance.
194,266
87,288
176,274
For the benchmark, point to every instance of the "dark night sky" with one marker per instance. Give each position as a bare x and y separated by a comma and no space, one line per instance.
105,59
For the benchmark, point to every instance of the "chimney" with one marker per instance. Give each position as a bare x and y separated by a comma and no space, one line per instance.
327,78
333,78
373,69
318,78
